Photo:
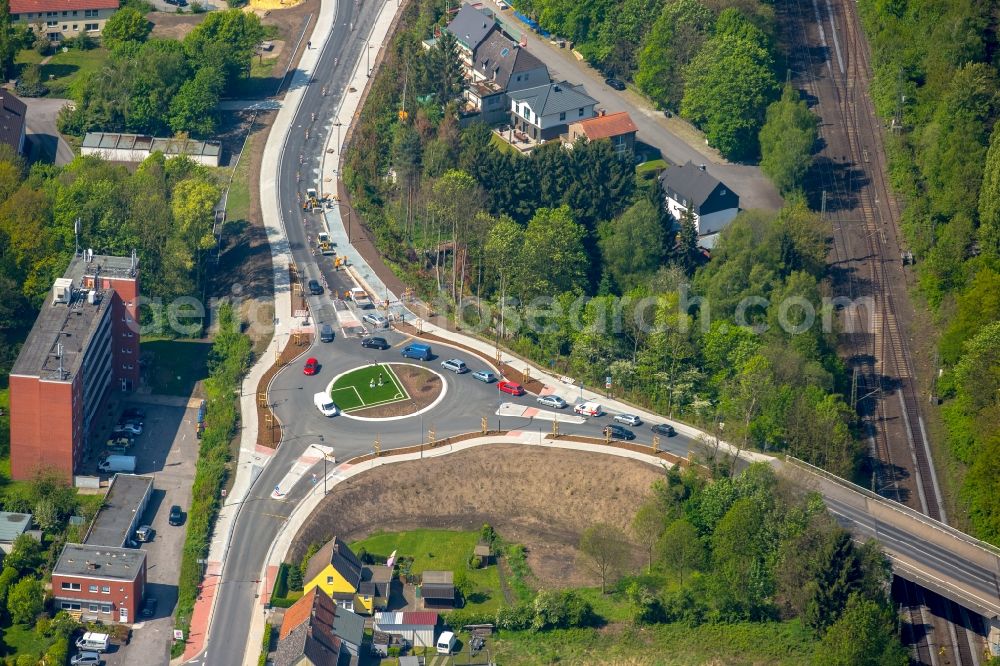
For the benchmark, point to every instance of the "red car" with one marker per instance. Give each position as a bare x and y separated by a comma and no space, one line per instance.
511,387
311,367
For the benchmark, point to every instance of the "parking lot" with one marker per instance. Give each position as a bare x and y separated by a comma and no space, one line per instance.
166,450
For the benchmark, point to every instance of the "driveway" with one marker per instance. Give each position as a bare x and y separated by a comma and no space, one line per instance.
43,142
676,139
167,450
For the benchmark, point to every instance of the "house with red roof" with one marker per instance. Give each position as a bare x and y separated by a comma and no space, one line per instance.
618,128
59,19
418,627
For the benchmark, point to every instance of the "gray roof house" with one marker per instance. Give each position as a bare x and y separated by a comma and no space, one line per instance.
349,627
499,65
470,27
12,525
711,202
542,112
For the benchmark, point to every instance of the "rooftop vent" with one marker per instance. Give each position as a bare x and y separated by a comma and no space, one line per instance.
556,89
93,566
62,290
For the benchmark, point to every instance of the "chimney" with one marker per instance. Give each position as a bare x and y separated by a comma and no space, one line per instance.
602,112
556,88
701,166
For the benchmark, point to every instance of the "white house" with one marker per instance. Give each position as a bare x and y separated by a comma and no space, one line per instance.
691,187
115,147
58,19
543,112
418,627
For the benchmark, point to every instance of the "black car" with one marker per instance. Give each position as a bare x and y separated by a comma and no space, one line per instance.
374,343
618,432
314,288
176,515
149,607
664,429
133,414
615,83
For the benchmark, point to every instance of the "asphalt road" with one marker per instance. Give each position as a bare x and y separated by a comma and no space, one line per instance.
261,517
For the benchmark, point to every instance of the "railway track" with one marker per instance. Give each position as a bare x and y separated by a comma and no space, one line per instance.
858,202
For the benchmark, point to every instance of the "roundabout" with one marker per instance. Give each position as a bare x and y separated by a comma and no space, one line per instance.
386,391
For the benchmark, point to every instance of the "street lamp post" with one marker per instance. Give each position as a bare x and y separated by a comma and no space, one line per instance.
368,55
324,466
337,124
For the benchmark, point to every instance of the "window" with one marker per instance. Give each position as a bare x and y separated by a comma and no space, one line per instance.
128,334
92,588
64,27
92,608
581,112
52,13
75,13
105,608
69,605
90,13
562,115
90,27
329,580
70,586
76,26
65,13
15,17
52,24
105,589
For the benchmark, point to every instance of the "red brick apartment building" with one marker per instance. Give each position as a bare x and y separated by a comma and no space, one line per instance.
84,344
100,582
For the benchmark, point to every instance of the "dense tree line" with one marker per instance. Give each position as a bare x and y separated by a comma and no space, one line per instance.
713,61
161,86
936,84
165,210
748,548
573,261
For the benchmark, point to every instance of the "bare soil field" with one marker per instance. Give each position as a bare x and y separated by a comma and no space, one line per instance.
542,498
422,385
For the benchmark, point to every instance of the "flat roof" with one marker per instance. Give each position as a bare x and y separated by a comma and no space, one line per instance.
13,525
113,522
99,562
71,324
141,142
438,577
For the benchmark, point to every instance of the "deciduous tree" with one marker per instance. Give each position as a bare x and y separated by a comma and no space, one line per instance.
605,550
787,140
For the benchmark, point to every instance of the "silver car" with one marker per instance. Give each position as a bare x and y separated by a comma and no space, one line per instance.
455,365
86,659
551,401
376,320
628,419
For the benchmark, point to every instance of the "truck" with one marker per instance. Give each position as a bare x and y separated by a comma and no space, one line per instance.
360,298
117,463
312,202
324,244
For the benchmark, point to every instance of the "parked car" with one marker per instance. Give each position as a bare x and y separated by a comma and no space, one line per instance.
484,376
511,387
618,432
93,641
664,429
315,288
628,419
551,401
145,534
133,413
127,429
149,607
86,659
311,367
455,365
376,320
176,516
615,83
374,343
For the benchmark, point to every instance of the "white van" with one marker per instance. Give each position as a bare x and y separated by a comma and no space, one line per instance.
446,642
588,409
93,641
324,404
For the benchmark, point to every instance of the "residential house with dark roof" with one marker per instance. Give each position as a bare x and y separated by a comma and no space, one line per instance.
617,128
499,66
337,571
307,636
711,202
375,589
12,525
437,588
13,121
349,627
543,112
59,19
470,27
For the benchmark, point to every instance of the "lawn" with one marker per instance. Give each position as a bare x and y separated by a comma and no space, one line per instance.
667,645
177,365
367,387
67,68
441,550
21,639
262,81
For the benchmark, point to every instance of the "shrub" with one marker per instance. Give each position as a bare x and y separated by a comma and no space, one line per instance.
459,618
514,618
294,578
561,610
281,580
197,7
30,82
58,653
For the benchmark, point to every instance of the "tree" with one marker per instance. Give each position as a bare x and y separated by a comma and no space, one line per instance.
8,40
26,600
743,541
648,525
729,85
865,635
125,25
192,110
446,69
680,549
632,245
225,40
671,43
787,140
552,259
989,198
605,551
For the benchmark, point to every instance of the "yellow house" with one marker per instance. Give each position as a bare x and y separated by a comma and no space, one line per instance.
335,570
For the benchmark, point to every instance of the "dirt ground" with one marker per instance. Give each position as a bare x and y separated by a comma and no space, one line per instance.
542,498
422,385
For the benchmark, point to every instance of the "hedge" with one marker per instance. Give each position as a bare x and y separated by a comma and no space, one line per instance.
228,361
